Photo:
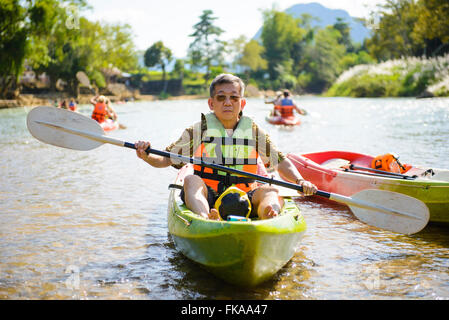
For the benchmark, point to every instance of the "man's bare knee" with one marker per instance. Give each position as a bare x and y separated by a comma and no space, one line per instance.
263,191
194,184
192,179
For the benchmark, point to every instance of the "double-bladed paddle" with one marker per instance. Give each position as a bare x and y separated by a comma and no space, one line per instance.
380,208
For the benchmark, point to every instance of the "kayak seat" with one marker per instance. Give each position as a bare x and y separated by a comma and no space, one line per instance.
336,163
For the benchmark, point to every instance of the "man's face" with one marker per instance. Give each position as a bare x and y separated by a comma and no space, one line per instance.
227,102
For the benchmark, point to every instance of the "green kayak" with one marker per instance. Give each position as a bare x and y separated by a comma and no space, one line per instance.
239,252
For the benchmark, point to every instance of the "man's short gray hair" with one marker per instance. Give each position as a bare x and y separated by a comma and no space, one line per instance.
226,78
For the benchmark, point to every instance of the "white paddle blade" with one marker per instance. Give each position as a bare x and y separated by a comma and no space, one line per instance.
395,212
41,119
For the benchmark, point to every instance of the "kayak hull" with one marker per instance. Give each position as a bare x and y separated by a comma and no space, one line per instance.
325,171
240,253
109,125
287,121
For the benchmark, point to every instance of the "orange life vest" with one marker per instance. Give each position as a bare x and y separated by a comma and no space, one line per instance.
72,106
238,152
285,111
389,163
100,112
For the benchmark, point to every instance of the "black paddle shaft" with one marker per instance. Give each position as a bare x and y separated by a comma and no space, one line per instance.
226,169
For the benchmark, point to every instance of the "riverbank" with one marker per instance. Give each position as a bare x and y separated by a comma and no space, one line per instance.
49,99
30,100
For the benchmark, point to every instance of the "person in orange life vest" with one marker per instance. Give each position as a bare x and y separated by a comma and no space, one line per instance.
226,103
102,109
72,105
287,105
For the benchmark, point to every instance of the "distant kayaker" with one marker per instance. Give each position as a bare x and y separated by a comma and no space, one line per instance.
102,109
226,137
72,105
287,106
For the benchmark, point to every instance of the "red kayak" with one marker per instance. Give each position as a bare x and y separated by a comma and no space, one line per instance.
286,121
109,125
347,173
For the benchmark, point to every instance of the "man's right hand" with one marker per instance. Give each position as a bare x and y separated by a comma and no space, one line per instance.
141,147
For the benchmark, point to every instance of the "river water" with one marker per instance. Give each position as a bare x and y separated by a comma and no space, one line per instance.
93,225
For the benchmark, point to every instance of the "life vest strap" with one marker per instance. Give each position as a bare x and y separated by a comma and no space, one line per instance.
228,180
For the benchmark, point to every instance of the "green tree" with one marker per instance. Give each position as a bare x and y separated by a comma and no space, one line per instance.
411,28
351,59
393,38
54,50
24,26
158,54
282,37
13,43
179,69
206,47
345,32
252,57
52,37
324,58
234,51
432,27
89,47
119,49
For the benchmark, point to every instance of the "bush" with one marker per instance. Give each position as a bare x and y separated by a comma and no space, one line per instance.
195,90
394,78
416,81
164,95
367,86
98,78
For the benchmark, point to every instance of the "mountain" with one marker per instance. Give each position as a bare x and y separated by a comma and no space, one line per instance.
325,17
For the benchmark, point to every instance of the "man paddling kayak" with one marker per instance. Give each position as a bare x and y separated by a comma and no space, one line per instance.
227,137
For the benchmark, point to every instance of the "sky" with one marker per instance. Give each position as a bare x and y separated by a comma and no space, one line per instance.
171,21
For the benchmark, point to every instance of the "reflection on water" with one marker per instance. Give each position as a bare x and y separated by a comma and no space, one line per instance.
92,225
